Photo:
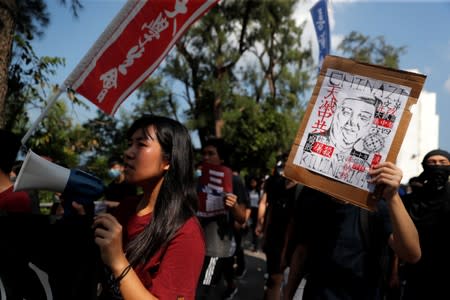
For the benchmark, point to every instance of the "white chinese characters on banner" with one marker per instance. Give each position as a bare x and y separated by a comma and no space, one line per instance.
151,31
351,127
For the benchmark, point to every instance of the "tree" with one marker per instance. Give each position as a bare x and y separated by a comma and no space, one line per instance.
158,98
21,21
258,134
16,20
57,138
104,137
371,50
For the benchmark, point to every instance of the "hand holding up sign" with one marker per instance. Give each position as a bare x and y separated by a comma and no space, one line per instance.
230,200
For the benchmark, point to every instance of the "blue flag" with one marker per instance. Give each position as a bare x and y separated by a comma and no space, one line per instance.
319,13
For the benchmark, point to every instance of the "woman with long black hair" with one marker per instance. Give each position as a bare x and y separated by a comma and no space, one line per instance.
153,246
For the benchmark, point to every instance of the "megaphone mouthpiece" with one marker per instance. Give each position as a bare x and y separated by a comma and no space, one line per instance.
38,173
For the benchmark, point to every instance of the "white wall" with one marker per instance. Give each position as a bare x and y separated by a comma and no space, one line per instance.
421,137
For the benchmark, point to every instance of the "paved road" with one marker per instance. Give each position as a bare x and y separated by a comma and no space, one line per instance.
251,286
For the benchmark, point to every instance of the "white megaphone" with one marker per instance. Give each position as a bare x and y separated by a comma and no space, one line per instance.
38,173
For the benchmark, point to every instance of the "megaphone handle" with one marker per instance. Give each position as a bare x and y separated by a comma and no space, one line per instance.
70,211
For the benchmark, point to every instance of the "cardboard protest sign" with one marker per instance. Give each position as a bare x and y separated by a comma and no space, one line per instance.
214,183
357,117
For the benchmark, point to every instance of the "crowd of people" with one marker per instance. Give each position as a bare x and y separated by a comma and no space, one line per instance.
172,232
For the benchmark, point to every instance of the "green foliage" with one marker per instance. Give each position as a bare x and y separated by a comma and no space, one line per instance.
28,75
75,6
371,50
103,137
258,134
157,99
31,18
56,137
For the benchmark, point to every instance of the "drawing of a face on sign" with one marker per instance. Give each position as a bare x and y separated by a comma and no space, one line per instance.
356,119
351,126
352,121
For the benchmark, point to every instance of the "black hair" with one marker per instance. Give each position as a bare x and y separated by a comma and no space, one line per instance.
221,147
17,166
10,145
435,152
177,199
115,160
375,101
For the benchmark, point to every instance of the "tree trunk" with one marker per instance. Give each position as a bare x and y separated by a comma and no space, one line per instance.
218,120
7,27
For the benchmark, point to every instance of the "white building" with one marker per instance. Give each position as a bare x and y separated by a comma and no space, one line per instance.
421,137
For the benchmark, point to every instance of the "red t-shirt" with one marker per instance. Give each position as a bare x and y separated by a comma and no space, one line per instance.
11,201
176,273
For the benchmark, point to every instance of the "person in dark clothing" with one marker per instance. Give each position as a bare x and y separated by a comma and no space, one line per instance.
279,198
254,194
429,207
239,264
331,251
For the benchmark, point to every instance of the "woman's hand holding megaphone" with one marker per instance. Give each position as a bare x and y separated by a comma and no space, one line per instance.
108,236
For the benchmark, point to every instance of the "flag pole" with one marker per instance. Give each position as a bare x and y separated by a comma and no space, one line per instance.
44,113
77,72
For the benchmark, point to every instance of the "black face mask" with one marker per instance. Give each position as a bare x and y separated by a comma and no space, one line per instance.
436,176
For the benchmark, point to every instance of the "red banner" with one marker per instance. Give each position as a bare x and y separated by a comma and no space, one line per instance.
214,184
131,48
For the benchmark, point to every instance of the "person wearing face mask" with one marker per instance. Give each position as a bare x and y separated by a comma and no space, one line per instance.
429,207
118,188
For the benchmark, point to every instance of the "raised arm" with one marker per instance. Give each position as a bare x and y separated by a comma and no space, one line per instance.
261,215
404,239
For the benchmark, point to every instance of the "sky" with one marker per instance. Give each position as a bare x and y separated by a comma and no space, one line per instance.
420,26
